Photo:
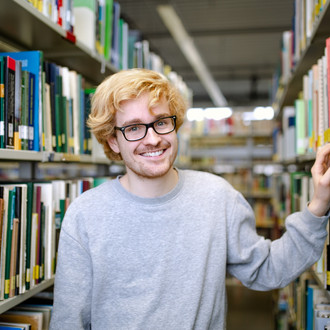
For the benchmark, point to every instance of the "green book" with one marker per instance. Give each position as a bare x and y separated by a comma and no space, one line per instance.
108,29
300,127
64,113
28,234
10,218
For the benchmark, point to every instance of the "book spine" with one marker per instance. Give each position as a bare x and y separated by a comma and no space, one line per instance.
9,102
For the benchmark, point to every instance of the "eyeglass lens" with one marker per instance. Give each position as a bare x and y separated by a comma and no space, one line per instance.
138,131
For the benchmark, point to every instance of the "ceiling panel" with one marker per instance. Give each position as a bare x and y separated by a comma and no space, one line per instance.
240,41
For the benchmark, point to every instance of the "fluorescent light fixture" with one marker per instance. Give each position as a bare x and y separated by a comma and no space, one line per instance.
195,114
218,113
259,113
199,114
263,113
188,48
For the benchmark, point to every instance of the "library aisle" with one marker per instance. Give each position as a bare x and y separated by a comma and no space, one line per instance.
248,309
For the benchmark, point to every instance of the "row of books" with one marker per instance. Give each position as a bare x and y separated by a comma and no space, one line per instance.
292,191
99,26
58,11
43,106
307,306
31,215
294,41
236,124
27,316
305,126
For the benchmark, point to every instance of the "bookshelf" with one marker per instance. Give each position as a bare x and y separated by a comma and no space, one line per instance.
287,93
296,143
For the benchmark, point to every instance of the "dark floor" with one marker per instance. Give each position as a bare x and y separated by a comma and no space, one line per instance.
249,310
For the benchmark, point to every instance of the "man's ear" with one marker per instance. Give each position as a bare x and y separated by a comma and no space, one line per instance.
113,144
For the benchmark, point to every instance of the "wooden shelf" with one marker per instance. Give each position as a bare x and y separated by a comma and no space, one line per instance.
25,28
45,157
14,301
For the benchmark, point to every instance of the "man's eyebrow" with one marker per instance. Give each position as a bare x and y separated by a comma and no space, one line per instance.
134,121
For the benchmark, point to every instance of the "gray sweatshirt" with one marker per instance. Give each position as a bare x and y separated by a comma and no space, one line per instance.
134,263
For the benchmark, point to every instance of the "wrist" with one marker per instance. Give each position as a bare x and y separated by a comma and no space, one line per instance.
318,209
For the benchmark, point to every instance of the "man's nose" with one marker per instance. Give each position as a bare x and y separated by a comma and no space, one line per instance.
152,137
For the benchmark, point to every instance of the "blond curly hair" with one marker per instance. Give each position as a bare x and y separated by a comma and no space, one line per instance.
127,85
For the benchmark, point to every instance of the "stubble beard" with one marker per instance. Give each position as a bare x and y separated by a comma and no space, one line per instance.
144,171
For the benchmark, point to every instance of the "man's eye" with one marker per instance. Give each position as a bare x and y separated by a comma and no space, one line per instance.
161,123
132,129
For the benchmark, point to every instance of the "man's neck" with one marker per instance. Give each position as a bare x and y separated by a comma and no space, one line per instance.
150,187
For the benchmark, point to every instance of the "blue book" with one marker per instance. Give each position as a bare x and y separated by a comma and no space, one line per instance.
32,61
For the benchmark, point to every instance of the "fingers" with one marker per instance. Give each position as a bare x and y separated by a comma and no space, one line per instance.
322,162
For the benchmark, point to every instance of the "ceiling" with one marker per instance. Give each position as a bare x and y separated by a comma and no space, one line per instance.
239,40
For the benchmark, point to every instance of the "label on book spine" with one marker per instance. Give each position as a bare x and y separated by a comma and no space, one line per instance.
7,287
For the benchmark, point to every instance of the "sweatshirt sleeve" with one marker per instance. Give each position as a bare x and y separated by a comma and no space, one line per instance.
73,285
263,265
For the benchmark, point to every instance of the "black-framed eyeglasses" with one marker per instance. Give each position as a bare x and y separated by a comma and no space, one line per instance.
137,132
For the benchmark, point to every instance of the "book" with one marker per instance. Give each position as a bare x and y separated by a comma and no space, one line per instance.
5,198
14,326
327,59
9,102
37,209
51,71
100,27
2,100
124,31
34,275
76,88
24,127
320,105
115,35
18,106
44,309
47,120
2,211
10,222
31,110
29,220
28,317
13,257
48,226
88,93
32,61
300,127
108,29
85,16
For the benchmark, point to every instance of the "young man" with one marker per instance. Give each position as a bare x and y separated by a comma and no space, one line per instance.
150,249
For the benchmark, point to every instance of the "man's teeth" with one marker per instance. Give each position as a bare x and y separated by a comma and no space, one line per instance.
153,154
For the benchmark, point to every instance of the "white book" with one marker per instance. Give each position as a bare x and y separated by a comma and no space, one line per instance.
84,27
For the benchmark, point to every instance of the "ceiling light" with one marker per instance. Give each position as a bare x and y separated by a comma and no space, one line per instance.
187,46
263,113
199,114
218,113
195,114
